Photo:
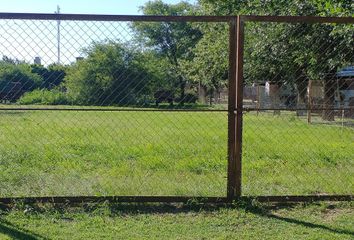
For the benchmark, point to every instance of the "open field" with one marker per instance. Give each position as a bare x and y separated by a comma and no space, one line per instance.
47,153
322,221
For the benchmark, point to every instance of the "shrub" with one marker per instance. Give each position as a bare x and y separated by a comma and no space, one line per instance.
190,97
45,97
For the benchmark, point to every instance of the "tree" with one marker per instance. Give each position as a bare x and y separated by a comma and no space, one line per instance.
14,72
112,73
209,66
293,53
172,41
53,75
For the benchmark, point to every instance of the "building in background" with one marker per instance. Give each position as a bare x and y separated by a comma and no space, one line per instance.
37,60
345,85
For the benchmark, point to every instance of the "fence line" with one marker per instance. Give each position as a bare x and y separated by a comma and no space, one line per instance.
135,89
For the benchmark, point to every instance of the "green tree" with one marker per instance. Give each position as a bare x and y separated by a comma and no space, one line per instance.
292,53
170,40
16,72
52,76
111,73
209,66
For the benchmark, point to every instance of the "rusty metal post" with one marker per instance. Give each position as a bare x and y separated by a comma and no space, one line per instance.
239,103
235,108
231,168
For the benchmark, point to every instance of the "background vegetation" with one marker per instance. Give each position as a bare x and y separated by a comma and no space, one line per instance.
183,57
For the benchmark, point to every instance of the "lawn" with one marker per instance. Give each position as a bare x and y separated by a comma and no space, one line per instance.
47,153
314,221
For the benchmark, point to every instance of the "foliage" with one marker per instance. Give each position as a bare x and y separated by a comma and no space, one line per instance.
209,65
170,40
52,76
190,97
287,53
45,97
273,51
31,77
112,73
19,72
181,56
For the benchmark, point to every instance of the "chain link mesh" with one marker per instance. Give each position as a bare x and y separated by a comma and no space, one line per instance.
140,108
109,111
298,121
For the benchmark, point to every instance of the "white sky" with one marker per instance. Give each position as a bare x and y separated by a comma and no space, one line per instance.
77,6
27,39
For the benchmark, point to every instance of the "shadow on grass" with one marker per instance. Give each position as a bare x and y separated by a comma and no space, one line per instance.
267,213
15,232
310,225
262,211
129,209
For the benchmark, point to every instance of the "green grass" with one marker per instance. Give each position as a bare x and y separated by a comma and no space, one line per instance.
44,153
285,155
315,221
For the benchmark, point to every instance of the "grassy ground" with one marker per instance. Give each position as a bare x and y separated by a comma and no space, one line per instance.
322,221
163,153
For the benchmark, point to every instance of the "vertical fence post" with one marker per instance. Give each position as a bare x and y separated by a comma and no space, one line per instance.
231,168
239,102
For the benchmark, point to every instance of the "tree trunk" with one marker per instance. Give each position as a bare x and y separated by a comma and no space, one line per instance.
275,98
202,95
182,85
329,96
301,85
300,105
211,95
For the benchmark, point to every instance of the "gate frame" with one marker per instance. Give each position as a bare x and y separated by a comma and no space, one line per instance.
235,107
237,159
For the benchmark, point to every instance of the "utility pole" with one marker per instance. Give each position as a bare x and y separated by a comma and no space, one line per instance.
58,33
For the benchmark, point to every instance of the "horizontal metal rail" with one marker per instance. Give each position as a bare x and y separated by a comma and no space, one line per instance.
122,18
306,198
246,109
153,18
297,19
173,199
113,199
297,109
113,110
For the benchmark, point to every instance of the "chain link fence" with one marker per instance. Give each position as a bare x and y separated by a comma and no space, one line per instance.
150,106
104,108
298,96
